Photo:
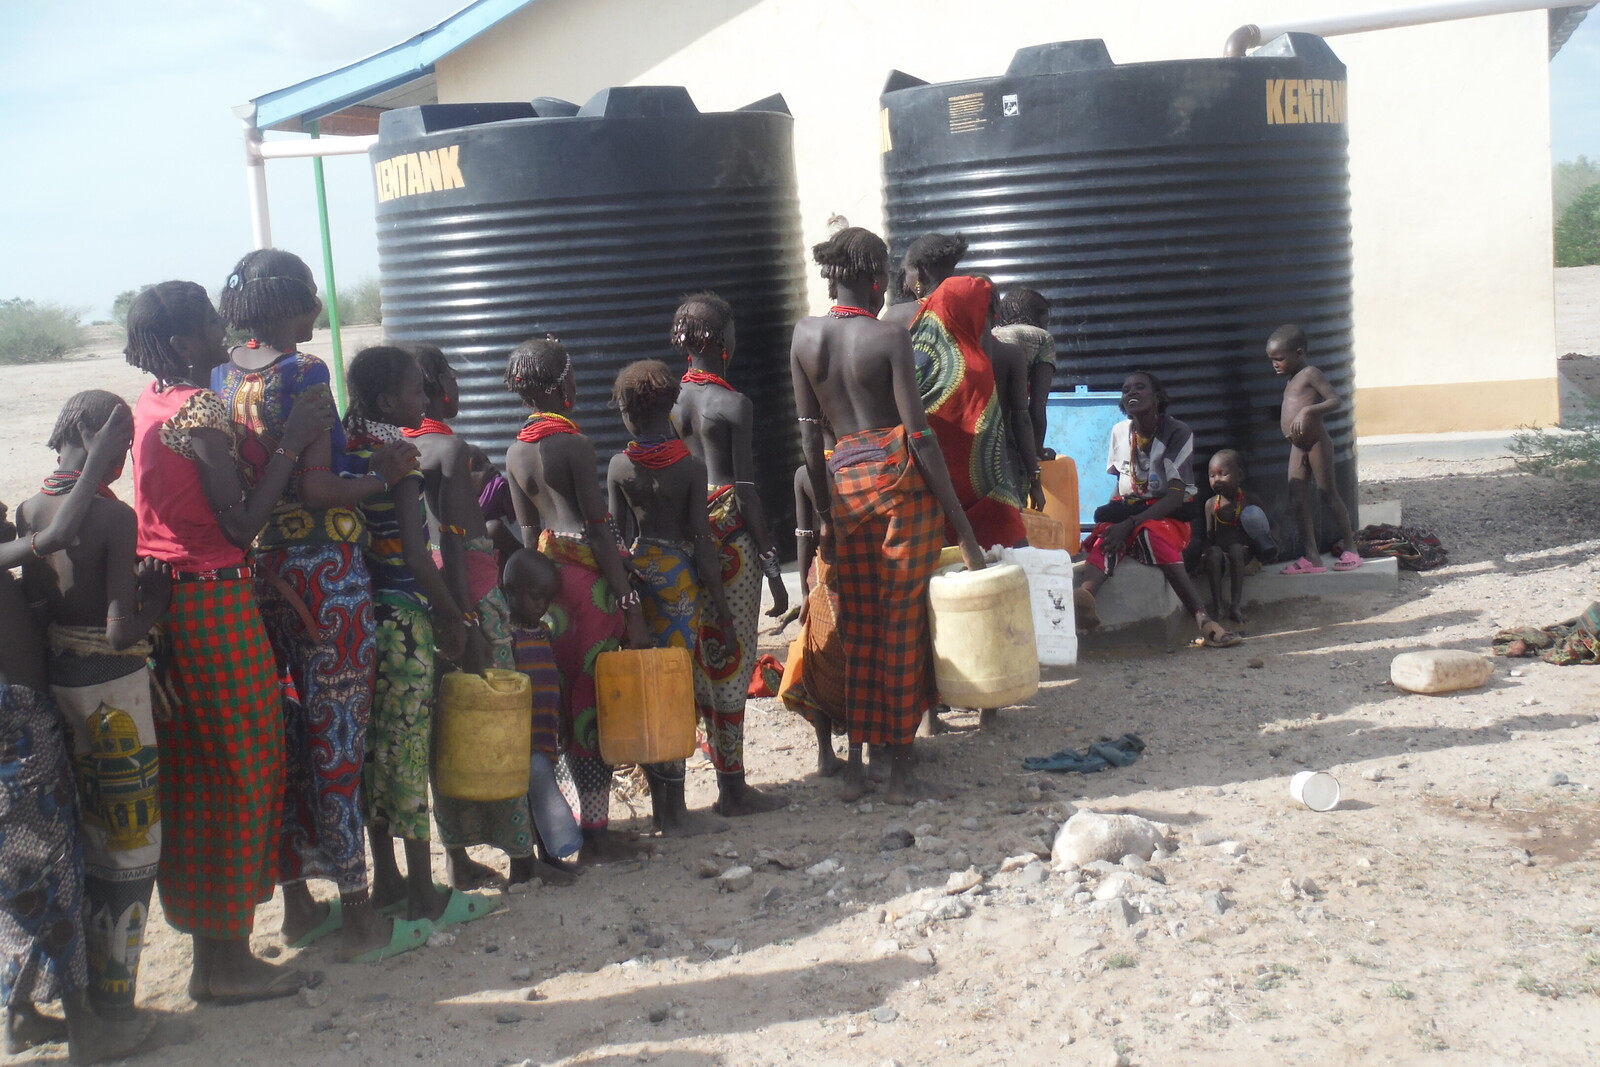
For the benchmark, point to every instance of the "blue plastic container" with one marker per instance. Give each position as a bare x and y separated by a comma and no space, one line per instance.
1079,425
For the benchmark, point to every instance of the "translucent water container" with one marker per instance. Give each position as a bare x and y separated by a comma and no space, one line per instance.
984,653
1439,670
645,700
483,735
1055,626
557,828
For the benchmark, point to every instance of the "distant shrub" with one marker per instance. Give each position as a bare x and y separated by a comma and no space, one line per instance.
359,305
34,332
123,301
1572,452
1578,231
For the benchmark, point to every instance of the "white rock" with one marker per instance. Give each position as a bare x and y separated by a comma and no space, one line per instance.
950,908
922,956
1113,887
735,878
823,869
721,944
1017,862
1090,836
441,938
1233,848
961,881
1200,998
1032,874
886,947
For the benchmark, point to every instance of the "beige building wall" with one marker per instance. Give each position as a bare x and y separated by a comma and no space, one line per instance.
1449,148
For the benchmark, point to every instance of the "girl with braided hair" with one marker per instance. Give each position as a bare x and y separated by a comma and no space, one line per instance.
466,558
928,261
550,467
314,595
881,501
222,750
717,423
657,490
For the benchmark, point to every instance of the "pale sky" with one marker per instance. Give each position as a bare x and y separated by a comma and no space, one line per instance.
122,162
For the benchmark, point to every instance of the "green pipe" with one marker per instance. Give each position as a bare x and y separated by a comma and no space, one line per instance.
327,275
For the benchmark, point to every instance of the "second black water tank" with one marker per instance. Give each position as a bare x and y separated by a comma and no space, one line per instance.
1173,213
501,222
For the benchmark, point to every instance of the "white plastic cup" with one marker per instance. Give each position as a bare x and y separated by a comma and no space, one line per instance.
1317,790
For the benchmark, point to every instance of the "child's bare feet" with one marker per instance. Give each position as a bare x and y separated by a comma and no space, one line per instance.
607,846
26,1027
854,782
828,763
465,872
736,797
527,868
226,972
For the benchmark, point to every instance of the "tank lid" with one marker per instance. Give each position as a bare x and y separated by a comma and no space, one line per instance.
1295,46
432,118
899,79
553,107
640,102
1060,57
775,102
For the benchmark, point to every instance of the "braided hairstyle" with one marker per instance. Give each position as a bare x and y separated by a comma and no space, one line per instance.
159,313
934,256
645,388
375,372
82,412
700,324
1024,307
266,287
854,255
435,367
536,368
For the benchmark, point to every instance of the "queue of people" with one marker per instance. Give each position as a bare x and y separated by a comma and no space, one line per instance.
228,687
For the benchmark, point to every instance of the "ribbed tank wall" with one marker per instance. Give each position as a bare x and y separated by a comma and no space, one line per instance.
1171,226
592,229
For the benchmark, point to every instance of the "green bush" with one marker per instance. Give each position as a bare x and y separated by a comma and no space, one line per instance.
1572,452
32,332
1569,179
358,305
1578,232
124,300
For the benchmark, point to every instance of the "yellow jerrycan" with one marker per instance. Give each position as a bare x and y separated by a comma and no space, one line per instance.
645,700
983,644
484,735
1059,479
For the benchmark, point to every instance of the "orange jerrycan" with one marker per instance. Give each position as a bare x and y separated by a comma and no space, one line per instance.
645,700
483,735
1059,479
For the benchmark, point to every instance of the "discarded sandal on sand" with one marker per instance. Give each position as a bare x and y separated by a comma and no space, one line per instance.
1304,566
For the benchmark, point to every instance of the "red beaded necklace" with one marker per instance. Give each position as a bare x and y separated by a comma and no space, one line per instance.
428,426
542,424
845,311
705,377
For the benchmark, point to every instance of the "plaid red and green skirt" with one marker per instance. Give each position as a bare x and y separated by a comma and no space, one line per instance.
221,761
887,535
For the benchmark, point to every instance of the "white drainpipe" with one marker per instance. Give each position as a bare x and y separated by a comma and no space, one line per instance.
257,152
1251,36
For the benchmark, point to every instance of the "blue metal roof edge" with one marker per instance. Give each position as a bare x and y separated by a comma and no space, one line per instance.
413,58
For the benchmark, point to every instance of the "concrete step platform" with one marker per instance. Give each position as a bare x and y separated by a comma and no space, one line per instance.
1139,594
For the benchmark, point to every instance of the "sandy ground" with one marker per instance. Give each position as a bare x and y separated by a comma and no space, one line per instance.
1447,912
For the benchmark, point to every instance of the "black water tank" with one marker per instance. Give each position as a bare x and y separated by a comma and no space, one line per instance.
1173,213
501,222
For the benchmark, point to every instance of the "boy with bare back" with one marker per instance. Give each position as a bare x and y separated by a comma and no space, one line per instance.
1307,398
100,606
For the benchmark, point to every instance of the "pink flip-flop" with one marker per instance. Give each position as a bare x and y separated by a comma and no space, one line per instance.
1303,566
1347,561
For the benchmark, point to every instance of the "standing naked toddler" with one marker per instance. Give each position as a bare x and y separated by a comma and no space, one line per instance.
1306,399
